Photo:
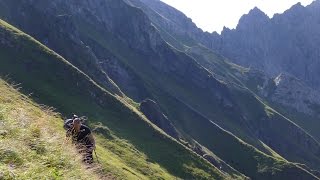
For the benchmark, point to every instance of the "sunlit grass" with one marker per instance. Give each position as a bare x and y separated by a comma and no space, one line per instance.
32,144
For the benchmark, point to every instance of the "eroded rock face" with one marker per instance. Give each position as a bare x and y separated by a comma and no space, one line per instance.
56,28
153,112
294,93
289,91
287,42
169,18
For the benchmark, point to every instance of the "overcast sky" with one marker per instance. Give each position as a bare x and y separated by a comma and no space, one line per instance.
212,15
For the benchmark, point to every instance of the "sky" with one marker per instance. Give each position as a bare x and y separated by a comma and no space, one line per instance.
213,15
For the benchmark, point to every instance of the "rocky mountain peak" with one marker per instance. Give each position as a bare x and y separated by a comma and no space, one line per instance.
297,5
225,29
254,17
314,6
315,3
294,14
256,11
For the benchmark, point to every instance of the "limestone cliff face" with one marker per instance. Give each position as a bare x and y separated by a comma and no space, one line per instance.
65,31
56,28
285,90
294,93
285,43
172,21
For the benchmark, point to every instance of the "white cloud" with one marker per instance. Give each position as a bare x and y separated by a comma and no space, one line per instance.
212,15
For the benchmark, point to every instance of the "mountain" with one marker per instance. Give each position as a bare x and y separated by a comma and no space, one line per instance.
118,55
274,45
128,145
168,19
284,48
268,44
258,42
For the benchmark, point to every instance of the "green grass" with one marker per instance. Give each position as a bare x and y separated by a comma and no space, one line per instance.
47,75
32,142
34,146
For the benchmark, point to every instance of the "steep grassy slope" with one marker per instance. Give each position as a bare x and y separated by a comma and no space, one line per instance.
137,147
32,142
34,146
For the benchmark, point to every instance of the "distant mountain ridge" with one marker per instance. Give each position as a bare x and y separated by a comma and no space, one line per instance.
287,42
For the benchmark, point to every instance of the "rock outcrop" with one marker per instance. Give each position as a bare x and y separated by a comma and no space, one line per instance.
294,93
285,90
153,112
